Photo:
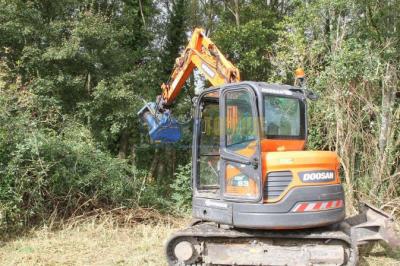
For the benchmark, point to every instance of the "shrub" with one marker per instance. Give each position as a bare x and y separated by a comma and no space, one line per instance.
55,171
182,189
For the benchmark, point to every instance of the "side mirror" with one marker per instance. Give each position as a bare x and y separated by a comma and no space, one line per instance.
311,95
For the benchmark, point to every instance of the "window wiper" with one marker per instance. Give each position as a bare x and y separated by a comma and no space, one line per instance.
241,142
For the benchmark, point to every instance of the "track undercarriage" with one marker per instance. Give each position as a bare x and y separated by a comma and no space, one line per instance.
207,243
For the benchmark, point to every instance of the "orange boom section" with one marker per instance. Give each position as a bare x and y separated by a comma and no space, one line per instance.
203,54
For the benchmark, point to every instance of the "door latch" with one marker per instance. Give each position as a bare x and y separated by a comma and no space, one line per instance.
254,163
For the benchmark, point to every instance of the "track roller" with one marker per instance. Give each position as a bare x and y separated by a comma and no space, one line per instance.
183,251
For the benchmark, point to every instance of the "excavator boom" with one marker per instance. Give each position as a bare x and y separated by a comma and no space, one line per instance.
201,53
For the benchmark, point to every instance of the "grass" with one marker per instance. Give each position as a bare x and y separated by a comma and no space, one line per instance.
93,241
378,257
110,239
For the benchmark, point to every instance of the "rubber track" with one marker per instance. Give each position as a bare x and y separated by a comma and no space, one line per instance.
205,230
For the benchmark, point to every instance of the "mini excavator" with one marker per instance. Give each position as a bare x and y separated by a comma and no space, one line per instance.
259,198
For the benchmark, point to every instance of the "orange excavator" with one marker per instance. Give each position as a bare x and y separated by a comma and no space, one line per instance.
259,198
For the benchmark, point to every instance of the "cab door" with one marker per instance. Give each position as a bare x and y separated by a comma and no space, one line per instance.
240,174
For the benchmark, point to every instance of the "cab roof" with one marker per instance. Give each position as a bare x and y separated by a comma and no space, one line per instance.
270,88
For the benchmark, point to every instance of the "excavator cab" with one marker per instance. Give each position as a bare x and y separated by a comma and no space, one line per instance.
250,169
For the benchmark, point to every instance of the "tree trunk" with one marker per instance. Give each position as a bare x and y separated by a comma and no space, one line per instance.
386,116
236,13
133,156
88,84
173,162
154,165
123,144
141,12
234,10
161,165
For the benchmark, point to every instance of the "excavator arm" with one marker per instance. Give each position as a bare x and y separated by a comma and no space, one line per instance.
201,53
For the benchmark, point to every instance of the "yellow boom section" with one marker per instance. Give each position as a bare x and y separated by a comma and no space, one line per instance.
203,54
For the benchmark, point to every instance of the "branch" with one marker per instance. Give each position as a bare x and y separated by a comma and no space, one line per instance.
141,12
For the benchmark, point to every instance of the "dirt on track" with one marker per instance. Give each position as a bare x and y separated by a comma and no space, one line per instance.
105,241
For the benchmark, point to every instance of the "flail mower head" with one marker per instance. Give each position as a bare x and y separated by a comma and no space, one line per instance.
162,126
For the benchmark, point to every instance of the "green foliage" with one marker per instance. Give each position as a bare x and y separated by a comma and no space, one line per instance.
54,172
87,58
182,189
249,46
176,36
72,75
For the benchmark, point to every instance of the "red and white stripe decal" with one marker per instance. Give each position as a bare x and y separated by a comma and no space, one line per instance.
317,206
300,207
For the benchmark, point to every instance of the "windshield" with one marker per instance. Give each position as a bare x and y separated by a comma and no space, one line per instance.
284,117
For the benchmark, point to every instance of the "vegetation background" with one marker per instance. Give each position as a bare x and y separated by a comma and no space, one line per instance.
73,75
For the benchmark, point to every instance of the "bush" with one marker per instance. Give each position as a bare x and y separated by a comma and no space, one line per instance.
55,171
61,174
182,189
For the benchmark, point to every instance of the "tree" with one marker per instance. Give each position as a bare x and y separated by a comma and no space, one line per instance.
248,43
351,56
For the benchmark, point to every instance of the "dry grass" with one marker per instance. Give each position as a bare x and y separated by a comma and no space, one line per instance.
94,241
109,239
378,256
